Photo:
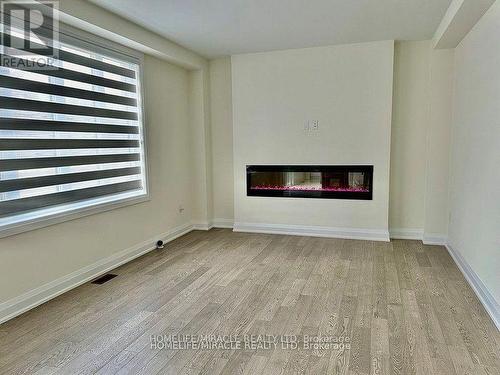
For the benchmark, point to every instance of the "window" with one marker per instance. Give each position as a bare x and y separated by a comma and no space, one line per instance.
71,138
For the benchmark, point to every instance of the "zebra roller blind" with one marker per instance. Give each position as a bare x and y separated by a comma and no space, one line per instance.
71,135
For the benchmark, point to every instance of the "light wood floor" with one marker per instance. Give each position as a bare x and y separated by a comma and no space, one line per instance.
405,307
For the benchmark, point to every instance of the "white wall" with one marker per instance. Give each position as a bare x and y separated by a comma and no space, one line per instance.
422,98
474,228
222,140
348,89
409,132
200,147
35,258
420,141
437,149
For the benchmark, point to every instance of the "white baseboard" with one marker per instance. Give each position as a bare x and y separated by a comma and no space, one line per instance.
434,239
223,223
44,293
215,223
406,233
314,231
490,304
418,234
202,225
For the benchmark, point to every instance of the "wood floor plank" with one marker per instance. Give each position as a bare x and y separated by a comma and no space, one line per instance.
255,365
379,352
397,340
418,360
404,307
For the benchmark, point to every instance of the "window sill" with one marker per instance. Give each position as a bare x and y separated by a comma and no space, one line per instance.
60,214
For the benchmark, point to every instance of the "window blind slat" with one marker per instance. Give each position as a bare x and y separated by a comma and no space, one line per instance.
64,126
95,64
53,144
63,161
17,206
48,88
34,182
75,58
24,64
70,109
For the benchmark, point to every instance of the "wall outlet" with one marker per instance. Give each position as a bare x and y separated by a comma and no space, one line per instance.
311,125
181,209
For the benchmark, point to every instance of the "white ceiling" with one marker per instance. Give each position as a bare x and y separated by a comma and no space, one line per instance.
225,27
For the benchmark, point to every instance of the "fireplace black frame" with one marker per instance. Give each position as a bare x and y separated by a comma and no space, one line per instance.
358,195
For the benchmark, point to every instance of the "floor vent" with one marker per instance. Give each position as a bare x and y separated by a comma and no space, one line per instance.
104,278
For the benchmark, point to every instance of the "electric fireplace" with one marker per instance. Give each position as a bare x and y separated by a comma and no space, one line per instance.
308,181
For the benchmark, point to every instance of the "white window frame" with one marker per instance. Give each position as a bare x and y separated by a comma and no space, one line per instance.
71,211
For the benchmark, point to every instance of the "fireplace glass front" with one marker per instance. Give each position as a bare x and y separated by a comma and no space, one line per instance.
305,181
